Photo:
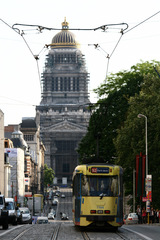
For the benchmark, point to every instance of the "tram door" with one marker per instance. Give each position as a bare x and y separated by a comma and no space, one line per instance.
77,185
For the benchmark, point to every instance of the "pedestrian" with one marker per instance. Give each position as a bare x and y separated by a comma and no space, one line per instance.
143,215
139,214
151,216
157,216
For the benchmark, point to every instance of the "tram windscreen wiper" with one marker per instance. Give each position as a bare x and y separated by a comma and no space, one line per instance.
101,195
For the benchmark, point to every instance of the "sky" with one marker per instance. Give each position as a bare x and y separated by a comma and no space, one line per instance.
20,87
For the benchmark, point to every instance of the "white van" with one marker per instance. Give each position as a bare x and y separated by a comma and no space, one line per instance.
12,212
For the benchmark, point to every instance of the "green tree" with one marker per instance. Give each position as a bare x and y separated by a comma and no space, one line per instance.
48,175
110,112
130,140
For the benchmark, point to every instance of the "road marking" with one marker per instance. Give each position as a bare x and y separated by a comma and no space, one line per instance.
140,234
7,231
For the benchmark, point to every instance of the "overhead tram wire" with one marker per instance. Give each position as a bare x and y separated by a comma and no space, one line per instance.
141,22
124,32
18,102
103,28
35,56
97,46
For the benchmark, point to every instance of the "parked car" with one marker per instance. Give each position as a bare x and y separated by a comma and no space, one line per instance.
51,216
132,218
53,211
26,216
64,216
42,220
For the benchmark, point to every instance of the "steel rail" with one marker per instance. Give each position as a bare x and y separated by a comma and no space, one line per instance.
22,233
85,236
56,232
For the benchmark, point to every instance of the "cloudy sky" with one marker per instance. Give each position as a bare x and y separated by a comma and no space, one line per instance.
20,73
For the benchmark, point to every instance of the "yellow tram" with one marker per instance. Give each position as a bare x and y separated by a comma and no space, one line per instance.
98,195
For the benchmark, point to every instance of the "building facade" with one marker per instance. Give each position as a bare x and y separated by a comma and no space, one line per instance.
1,152
63,111
34,158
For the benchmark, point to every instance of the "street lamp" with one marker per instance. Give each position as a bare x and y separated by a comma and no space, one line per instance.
147,202
143,116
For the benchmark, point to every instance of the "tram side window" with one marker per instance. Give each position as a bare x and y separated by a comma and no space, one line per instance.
85,186
76,184
114,186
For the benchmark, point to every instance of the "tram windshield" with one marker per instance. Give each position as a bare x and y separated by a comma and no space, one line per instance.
95,185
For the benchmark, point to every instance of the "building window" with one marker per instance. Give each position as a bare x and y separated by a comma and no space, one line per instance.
56,83
61,84
25,165
26,188
74,85
53,88
78,84
66,167
28,137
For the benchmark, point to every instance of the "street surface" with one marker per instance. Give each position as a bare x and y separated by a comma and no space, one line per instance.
58,229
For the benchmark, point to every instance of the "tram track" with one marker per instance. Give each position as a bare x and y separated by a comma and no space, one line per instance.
33,232
56,232
21,234
88,235
121,235
85,236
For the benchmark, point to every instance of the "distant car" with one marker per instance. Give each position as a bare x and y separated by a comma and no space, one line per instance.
51,216
64,216
63,196
55,198
25,215
42,220
54,203
132,218
53,212
57,193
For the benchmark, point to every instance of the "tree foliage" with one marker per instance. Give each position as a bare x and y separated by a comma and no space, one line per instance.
48,175
130,140
110,112
115,134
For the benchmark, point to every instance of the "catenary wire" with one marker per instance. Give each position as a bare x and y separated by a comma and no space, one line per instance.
141,22
103,27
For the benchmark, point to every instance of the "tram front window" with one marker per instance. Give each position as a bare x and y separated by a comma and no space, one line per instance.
94,186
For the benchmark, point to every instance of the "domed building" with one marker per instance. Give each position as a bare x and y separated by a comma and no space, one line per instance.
63,111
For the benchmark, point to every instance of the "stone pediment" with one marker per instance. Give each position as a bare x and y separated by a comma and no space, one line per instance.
66,127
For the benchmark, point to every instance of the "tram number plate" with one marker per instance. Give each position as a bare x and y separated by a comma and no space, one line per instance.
100,211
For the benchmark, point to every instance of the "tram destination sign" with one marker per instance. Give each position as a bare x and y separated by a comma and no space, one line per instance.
100,170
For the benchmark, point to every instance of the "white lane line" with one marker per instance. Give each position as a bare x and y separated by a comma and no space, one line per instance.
142,235
10,230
